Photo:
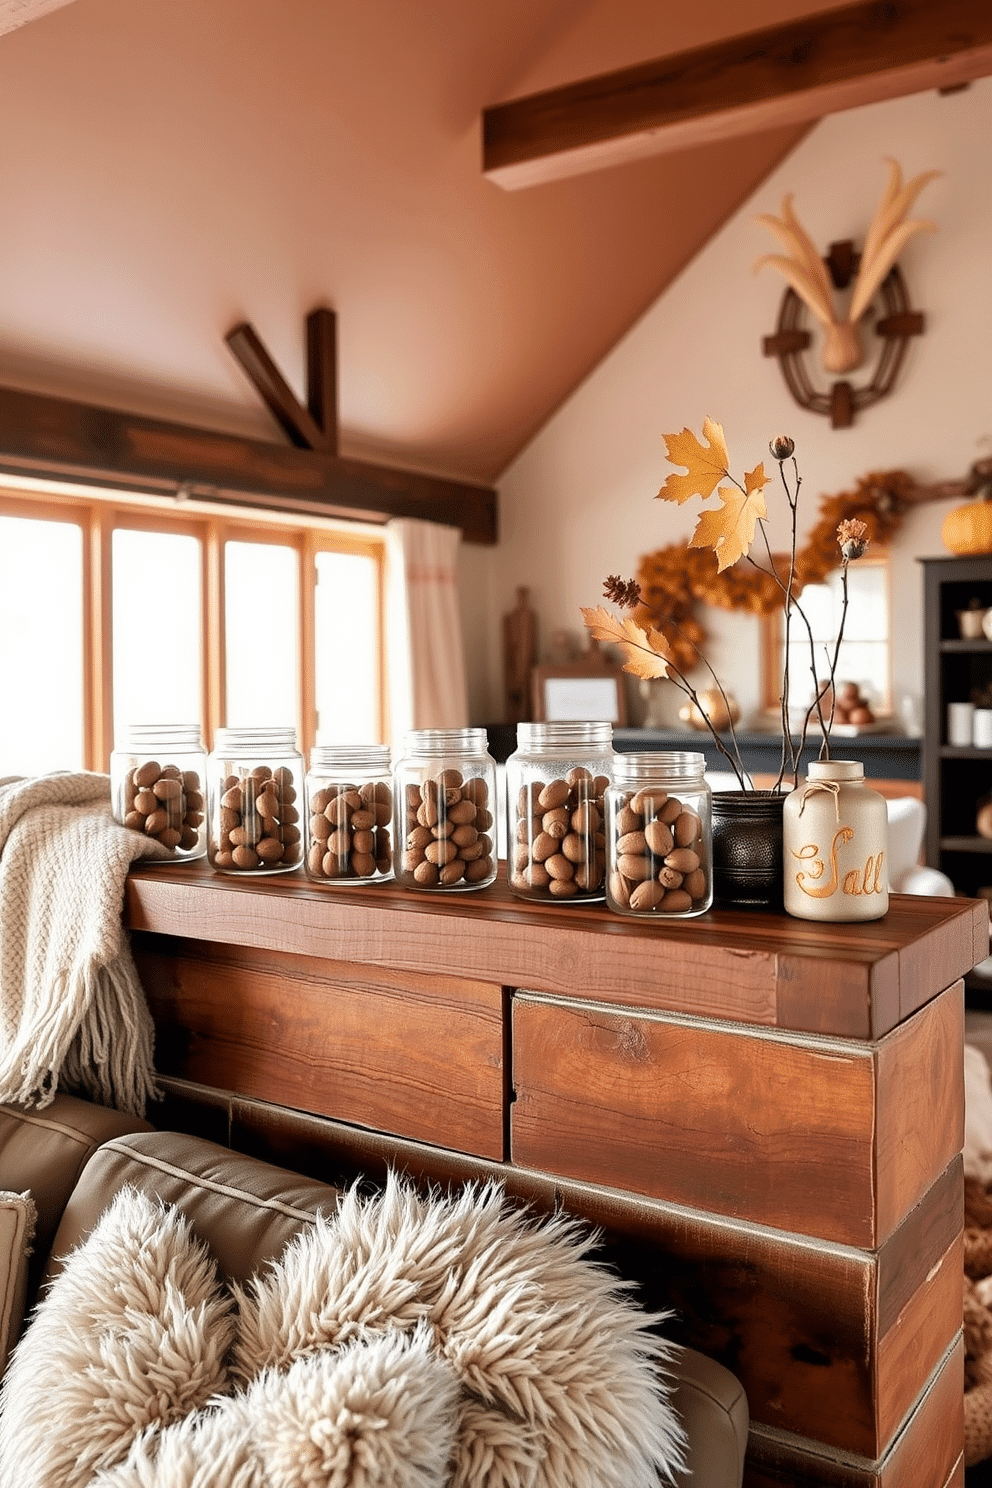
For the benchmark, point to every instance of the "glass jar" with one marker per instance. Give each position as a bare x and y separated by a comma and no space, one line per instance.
835,835
349,813
255,778
556,782
444,791
658,843
158,781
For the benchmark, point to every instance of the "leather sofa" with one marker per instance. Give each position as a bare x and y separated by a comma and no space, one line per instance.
74,1157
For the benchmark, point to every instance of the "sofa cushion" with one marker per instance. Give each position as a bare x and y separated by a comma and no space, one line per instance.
245,1210
132,1333
17,1224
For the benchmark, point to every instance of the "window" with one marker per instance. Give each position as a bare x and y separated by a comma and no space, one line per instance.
41,646
115,612
864,654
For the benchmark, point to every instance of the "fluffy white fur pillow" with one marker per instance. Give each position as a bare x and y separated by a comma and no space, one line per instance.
380,1413
17,1222
561,1374
134,1331
407,1342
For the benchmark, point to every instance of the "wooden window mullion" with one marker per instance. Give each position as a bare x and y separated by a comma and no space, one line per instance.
214,631
308,643
98,632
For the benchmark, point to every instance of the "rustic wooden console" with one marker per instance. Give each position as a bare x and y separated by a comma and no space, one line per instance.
764,1115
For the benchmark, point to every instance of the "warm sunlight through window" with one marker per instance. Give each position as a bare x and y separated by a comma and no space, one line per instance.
157,628
262,602
41,646
120,612
865,651
347,585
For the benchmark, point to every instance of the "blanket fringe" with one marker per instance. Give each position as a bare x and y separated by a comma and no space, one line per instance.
72,1009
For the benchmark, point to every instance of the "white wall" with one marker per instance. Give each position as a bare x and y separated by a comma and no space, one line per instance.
578,502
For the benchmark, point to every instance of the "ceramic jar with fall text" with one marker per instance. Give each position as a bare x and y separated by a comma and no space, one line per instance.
835,845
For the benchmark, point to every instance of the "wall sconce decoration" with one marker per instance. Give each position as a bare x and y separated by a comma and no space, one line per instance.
814,283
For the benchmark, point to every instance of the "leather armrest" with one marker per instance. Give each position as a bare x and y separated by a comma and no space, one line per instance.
714,1411
45,1151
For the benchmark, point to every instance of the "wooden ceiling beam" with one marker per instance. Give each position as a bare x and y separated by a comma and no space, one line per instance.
322,374
782,75
62,440
296,422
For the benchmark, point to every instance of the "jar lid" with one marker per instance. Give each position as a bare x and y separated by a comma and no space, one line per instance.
446,741
142,735
350,757
660,764
247,740
566,734
835,770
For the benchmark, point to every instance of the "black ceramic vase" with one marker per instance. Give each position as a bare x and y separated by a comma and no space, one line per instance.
747,849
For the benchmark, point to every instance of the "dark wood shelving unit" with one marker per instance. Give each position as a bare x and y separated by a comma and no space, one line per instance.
956,779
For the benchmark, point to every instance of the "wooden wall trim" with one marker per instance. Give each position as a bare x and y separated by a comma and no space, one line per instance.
781,75
60,439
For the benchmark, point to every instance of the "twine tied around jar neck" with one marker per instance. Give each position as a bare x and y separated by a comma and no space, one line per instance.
833,786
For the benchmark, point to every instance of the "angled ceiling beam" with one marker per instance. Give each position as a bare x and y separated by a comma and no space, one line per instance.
786,74
296,422
58,439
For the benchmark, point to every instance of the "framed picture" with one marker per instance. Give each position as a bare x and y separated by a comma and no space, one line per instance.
579,691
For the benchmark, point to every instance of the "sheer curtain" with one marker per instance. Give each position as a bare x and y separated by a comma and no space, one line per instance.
427,686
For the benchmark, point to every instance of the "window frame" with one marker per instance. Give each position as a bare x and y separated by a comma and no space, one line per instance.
772,640
98,513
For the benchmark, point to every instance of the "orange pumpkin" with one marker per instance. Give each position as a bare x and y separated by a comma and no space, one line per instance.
968,528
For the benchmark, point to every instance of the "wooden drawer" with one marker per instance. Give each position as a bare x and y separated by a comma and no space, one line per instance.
408,1053
836,1140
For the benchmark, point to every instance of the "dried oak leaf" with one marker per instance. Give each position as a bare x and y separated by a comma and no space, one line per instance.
705,465
646,652
730,531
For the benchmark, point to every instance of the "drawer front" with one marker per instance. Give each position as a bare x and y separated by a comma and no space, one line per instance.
399,1052
831,1139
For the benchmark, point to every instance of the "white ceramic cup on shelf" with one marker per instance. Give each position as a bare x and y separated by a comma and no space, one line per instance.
960,721
981,728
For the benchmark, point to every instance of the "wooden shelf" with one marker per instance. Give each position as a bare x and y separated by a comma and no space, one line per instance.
848,980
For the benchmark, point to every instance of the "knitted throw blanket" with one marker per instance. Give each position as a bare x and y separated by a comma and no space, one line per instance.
72,1009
